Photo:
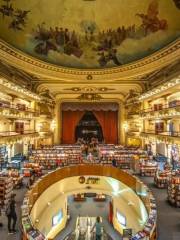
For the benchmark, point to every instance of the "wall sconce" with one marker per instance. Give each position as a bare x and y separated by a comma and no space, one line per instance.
53,125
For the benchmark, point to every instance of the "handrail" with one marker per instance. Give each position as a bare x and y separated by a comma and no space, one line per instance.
163,107
14,133
72,236
78,170
15,107
163,133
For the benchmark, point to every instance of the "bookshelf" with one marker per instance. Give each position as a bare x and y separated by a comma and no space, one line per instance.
29,232
173,189
6,189
148,168
59,156
161,178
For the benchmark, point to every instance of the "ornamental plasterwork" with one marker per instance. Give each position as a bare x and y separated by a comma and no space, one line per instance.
14,139
89,89
168,139
148,64
90,97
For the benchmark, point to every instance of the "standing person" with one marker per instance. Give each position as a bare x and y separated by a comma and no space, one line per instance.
11,215
114,163
98,226
1,225
86,149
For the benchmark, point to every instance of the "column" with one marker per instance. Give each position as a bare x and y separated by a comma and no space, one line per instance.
58,119
25,148
121,120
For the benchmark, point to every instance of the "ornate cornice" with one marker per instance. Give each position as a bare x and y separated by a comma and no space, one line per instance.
148,64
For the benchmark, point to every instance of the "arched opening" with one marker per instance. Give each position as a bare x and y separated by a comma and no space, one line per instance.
89,127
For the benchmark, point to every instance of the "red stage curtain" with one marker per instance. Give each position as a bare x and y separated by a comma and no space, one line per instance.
109,123
70,120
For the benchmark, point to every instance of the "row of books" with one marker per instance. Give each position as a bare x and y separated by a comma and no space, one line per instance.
6,189
29,231
151,222
173,190
57,156
148,168
161,178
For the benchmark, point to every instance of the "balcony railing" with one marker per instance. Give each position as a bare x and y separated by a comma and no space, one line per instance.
160,108
13,133
163,133
4,105
72,236
133,130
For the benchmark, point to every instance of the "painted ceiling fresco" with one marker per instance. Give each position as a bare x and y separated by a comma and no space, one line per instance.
89,34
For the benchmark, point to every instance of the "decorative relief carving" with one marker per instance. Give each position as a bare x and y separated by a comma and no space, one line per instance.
89,89
90,97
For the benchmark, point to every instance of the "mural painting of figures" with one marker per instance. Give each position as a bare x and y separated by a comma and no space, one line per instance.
89,34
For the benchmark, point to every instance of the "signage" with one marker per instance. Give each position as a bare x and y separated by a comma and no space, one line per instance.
89,180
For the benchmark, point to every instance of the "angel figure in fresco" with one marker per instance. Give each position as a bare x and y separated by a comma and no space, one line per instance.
43,36
177,3
7,9
19,21
150,21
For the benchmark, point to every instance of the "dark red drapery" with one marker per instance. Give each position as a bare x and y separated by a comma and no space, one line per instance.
107,119
109,123
70,119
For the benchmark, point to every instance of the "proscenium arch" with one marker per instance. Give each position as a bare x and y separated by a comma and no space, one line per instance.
58,118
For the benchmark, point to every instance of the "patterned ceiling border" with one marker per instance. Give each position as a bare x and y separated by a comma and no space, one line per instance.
23,61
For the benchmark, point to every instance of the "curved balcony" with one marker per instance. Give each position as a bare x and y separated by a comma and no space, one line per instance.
12,136
13,109
170,137
51,184
163,111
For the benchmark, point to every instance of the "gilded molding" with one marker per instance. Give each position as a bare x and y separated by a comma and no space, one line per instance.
157,60
14,139
164,138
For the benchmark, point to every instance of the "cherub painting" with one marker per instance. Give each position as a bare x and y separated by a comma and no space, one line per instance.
151,21
18,16
90,36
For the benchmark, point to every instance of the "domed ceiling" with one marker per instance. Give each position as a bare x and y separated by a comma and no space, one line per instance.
89,34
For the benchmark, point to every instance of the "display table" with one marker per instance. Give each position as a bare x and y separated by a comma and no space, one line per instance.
79,198
15,164
174,189
161,178
148,168
31,167
100,198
